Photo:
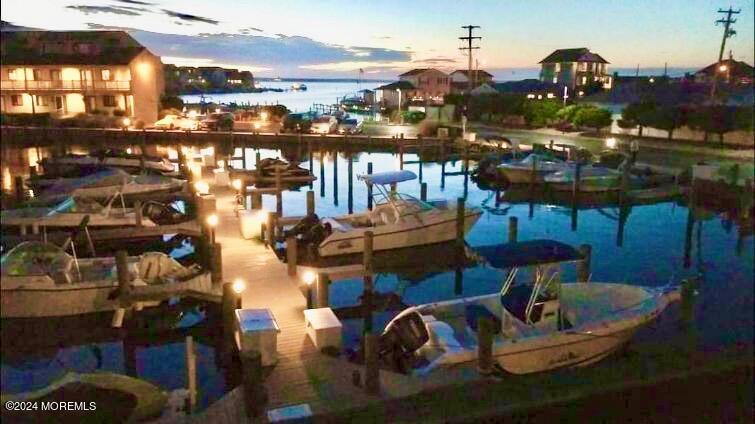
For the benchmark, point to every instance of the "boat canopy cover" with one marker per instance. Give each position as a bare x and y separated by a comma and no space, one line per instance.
385,178
34,258
528,253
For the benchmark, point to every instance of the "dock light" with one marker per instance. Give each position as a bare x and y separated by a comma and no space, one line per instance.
238,286
308,277
611,143
263,116
126,123
723,68
202,187
652,80
236,184
212,221
128,150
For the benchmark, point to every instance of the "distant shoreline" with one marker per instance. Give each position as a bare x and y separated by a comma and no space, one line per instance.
287,79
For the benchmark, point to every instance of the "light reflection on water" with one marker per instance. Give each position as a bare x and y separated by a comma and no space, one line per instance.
652,253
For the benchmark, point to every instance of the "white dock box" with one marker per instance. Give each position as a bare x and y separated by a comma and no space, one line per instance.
323,327
258,330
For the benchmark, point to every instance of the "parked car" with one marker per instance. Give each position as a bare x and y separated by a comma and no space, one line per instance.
190,124
324,125
169,122
296,122
349,126
221,121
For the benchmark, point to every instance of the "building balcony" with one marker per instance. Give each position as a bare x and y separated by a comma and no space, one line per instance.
64,85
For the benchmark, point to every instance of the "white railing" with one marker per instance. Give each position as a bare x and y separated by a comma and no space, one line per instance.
65,85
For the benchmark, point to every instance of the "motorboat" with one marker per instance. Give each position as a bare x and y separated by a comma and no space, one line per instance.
299,87
73,164
520,171
290,172
397,220
591,179
539,324
106,183
42,280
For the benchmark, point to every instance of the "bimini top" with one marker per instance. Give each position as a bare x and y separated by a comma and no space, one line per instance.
385,178
528,253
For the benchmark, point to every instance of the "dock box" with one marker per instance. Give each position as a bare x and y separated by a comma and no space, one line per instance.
323,327
250,223
258,330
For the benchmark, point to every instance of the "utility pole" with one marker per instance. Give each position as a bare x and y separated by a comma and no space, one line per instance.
728,32
469,39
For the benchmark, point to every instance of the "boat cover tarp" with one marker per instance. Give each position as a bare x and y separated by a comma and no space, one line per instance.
104,178
391,177
528,253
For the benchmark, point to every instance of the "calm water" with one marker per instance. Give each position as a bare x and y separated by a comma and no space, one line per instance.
652,254
326,93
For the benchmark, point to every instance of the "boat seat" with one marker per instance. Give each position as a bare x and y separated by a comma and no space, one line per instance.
337,225
442,335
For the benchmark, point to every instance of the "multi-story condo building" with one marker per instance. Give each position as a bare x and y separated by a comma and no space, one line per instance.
575,68
426,86
70,72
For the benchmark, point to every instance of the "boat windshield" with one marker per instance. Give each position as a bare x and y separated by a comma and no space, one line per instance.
34,258
540,159
405,203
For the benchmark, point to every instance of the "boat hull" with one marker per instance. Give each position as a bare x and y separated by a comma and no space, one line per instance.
517,175
418,231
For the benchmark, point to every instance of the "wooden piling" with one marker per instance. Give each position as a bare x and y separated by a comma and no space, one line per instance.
368,288
255,398
323,283
257,165
216,263
533,175
746,199
583,266
513,229
18,187
256,200
138,212
191,373
423,191
124,277
291,255
371,360
310,202
485,346
369,187
230,302
576,181
460,216
270,227
350,172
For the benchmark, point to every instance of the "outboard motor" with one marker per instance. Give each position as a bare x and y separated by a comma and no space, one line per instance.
303,226
162,214
401,338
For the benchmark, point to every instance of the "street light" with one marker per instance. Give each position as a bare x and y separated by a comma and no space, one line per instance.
212,222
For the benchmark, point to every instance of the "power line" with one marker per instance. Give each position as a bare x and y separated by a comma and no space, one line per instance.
728,32
469,38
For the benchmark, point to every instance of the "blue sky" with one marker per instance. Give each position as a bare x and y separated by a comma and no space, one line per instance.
335,38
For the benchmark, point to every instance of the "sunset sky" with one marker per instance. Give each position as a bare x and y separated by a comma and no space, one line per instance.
330,38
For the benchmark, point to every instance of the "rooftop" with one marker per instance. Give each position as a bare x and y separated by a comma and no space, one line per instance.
478,71
401,85
579,54
59,48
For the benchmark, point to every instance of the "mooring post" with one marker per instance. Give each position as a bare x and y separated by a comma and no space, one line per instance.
255,397
291,255
350,172
583,266
216,263
124,277
423,191
533,175
191,373
401,152
18,187
258,165
371,361
460,216
513,229
576,181
270,227
230,302
278,192
323,282
369,187
256,200
485,346
138,212
550,145
745,201
368,289
310,203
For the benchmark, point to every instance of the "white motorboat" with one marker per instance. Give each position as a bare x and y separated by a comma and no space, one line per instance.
72,163
108,182
520,171
537,327
591,178
396,221
70,212
41,280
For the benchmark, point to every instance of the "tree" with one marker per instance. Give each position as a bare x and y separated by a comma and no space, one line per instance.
542,112
593,117
171,102
639,114
668,118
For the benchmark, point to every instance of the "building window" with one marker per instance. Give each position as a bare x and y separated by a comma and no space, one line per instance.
15,74
55,74
551,95
43,100
106,74
85,48
17,100
37,74
584,80
108,101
